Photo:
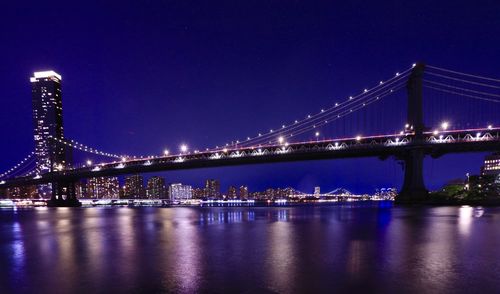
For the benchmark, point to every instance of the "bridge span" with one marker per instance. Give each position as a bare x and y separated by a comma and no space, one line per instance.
409,146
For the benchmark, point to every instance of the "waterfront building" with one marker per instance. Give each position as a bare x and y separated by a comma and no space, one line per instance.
212,189
231,193
48,121
80,189
491,165
134,187
46,98
179,192
103,188
156,188
22,192
198,193
243,192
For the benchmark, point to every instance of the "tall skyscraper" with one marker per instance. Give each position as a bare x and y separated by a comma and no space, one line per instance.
134,187
212,188
48,121
156,188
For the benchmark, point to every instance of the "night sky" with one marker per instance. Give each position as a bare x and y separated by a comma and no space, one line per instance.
141,76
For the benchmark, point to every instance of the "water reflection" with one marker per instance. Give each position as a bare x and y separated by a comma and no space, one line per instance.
18,250
307,249
187,258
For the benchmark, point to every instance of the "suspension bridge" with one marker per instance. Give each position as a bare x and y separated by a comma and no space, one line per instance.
422,111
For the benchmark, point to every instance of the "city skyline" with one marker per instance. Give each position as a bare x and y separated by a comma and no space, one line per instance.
104,98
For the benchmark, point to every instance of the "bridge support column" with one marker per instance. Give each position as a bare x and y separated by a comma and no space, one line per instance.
63,195
413,190
413,187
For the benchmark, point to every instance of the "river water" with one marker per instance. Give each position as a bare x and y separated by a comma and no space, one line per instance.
341,248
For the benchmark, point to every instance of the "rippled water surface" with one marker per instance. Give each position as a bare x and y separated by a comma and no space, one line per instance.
302,249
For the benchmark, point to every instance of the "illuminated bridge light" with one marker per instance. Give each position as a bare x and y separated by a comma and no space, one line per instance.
445,125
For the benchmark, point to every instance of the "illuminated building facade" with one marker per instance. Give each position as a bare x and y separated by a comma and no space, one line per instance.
491,165
243,192
22,192
156,188
212,189
48,121
103,188
231,193
134,187
198,193
179,192
80,189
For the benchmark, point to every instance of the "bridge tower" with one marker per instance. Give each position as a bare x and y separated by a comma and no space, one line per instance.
413,186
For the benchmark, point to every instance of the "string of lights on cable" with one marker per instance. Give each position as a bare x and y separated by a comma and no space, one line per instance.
27,159
326,116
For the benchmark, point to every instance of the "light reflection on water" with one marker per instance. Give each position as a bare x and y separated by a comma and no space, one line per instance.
320,249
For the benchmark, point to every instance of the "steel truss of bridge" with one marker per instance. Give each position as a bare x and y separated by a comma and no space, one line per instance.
396,145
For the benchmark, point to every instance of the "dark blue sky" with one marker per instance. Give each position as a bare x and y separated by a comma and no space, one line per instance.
139,76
